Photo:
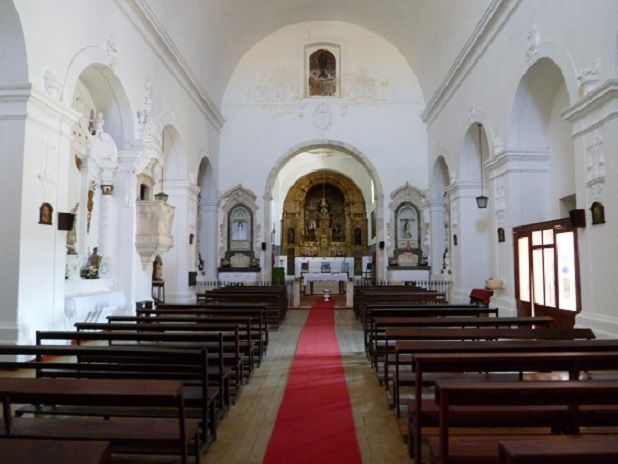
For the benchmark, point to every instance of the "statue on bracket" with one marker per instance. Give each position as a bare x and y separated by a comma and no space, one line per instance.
72,234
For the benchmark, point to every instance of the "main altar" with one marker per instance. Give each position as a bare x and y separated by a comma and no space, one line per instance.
324,218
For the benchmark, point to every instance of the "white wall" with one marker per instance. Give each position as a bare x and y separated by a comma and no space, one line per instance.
580,39
267,115
62,39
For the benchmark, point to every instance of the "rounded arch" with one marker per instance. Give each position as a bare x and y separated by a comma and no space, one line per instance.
474,152
358,156
558,55
533,104
324,144
13,56
174,156
109,97
440,179
207,210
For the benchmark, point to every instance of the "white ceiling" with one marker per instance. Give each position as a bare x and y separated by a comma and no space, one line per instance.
214,34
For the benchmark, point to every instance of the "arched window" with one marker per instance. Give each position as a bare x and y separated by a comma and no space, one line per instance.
322,74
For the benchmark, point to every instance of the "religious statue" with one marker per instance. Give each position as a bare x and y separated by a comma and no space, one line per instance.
406,229
91,270
157,269
72,234
291,235
240,231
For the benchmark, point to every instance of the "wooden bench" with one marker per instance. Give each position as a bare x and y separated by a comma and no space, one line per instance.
16,450
218,374
380,324
241,353
255,328
563,449
393,334
423,311
572,362
405,349
203,310
116,362
450,394
125,435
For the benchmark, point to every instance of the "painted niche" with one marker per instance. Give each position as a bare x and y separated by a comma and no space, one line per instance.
322,74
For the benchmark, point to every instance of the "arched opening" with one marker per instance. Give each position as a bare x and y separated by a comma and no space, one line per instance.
324,215
537,128
472,226
545,247
338,158
207,258
440,220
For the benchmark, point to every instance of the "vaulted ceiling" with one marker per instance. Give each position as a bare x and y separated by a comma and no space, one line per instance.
213,35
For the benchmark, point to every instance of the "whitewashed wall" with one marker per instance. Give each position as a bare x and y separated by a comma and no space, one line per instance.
61,40
267,115
580,39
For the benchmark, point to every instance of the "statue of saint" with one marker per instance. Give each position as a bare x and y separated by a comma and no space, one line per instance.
72,234
157,269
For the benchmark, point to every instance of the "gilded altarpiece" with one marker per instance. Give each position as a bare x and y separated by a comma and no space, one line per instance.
324,215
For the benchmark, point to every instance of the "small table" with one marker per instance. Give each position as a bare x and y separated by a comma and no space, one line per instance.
158,291
340,277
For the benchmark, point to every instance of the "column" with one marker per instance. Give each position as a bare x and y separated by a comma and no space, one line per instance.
209,214
178,261
439,240
127,265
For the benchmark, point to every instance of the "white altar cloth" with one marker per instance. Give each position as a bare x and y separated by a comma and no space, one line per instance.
92,307
325,277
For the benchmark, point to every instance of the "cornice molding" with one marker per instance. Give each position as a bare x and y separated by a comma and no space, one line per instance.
494,18
594,109
140,14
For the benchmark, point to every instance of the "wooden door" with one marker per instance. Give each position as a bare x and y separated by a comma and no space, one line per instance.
547,271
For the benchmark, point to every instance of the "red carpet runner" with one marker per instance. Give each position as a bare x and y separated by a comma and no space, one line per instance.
315,423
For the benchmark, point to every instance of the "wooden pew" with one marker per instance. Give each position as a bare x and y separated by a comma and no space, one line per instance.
457,363
393,334
240,357
408,348
16,450
213,310
379,324
450,394
274,296
254,324
125,435
562,449
117,362
218,374
422,311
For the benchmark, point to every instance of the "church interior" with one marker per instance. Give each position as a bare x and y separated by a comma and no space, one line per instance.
293,155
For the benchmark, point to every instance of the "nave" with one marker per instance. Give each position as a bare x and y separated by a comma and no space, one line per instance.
243,435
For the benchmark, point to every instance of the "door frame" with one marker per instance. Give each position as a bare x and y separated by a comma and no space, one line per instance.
562,317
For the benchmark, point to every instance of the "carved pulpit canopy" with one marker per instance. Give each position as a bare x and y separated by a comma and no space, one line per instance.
154,229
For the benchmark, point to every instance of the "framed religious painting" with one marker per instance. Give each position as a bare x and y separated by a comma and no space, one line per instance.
45,214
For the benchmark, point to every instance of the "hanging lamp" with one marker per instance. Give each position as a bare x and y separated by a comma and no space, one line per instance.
481,200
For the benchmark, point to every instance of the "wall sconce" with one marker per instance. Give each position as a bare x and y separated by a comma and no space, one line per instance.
481,200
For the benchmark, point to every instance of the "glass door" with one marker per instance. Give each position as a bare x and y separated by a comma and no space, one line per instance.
546,271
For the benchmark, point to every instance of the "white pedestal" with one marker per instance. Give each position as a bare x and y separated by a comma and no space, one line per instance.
296,288
349,294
